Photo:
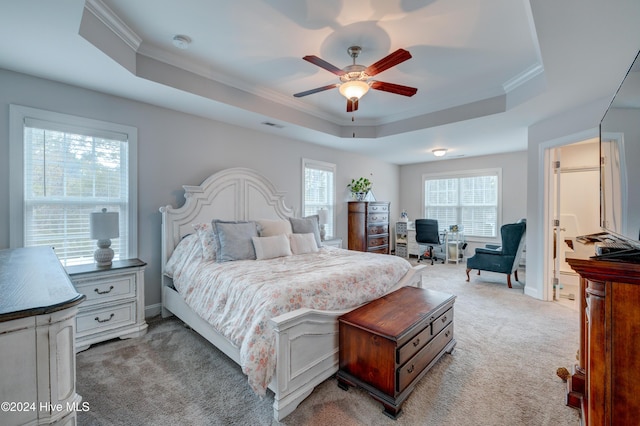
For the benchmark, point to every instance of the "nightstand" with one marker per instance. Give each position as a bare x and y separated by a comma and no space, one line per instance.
333,242
114,306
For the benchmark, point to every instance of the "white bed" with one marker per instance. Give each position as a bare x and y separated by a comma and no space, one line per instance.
306,340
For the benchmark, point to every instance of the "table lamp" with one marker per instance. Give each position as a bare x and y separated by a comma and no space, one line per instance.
323,219
104,226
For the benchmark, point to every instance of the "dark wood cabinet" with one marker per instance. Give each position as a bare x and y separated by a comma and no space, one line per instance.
369,226
388,345
605,383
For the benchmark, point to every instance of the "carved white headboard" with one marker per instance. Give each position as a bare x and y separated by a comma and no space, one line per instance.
231,194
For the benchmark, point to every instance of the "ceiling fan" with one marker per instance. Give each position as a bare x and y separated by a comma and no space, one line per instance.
355,78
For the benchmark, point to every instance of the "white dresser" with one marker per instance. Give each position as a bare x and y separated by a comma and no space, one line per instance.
114,305
37,350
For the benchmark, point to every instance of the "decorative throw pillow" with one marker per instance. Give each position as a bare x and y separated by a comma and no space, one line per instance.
303,243
309,224
207,239
235,240
271,227
271,247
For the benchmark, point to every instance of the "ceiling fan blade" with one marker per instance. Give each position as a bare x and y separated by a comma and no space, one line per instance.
394,88
388,61
316,90
323,64
352,105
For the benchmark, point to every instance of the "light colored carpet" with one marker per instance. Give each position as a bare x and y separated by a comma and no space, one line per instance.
502,372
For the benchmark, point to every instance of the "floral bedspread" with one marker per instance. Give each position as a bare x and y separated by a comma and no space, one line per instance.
238,298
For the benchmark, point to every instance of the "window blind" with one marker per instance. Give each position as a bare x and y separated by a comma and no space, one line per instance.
469,201
70,172
319,191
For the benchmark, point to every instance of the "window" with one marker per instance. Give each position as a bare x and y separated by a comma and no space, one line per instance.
319,191
64,168
470,200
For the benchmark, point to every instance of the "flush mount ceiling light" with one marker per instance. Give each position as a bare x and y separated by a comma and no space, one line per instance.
181,41
439,152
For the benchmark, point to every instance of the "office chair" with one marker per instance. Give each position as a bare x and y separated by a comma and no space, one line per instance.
427,233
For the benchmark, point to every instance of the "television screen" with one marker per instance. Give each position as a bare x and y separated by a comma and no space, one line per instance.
620,161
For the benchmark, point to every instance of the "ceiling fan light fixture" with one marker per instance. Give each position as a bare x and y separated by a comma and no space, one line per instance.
439,152
354,89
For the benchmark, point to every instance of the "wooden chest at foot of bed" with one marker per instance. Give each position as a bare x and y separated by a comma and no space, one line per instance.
389,344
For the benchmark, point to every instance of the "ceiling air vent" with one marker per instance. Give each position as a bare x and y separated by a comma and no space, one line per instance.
270,124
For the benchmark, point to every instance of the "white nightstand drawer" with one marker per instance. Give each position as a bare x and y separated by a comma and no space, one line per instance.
106,318
106,289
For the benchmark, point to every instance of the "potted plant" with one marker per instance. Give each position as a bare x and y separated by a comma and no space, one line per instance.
360,188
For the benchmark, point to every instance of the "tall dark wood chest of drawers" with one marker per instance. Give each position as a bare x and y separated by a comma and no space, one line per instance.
369,226
389,344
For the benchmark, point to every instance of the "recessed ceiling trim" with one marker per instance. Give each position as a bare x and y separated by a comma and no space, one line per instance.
114,23
520,79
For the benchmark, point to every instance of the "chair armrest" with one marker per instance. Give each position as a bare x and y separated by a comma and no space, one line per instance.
489,251
492,246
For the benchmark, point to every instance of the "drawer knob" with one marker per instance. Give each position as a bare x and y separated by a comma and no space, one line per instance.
103,292
410,369
447,333
444,319
105,320
416,343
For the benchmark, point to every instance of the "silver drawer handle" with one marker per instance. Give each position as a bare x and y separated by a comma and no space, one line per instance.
105,320
416,343
444,319
447,333
410,369
103,292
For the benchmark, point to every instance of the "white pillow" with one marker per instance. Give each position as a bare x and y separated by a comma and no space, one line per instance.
269,227
270,247
303,243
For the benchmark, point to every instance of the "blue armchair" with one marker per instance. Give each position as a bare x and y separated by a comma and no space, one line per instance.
505,258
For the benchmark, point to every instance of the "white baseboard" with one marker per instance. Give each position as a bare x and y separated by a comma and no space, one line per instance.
152,310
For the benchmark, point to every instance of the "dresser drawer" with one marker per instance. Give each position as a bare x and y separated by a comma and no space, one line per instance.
409,371
106,318
106,289
412,347
381,250
378,217
378,208
378,229
378,241
441,322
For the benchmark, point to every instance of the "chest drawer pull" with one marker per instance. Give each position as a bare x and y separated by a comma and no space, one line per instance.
105,320
410,369
444,319
103,292
416,343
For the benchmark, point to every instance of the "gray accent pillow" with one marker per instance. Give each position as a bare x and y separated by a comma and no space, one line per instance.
235,240
306,225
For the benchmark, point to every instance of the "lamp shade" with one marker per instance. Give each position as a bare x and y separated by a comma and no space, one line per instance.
104,225
353,89
323,216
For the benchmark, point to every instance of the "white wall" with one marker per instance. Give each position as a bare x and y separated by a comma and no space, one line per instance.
514,187
175,149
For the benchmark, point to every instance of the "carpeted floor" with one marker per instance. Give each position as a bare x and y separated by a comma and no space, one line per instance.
502,372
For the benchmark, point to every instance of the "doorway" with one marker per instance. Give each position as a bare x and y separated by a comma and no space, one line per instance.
574,189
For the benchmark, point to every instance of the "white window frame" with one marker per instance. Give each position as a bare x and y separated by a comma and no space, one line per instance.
464,174
17,116
330,167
